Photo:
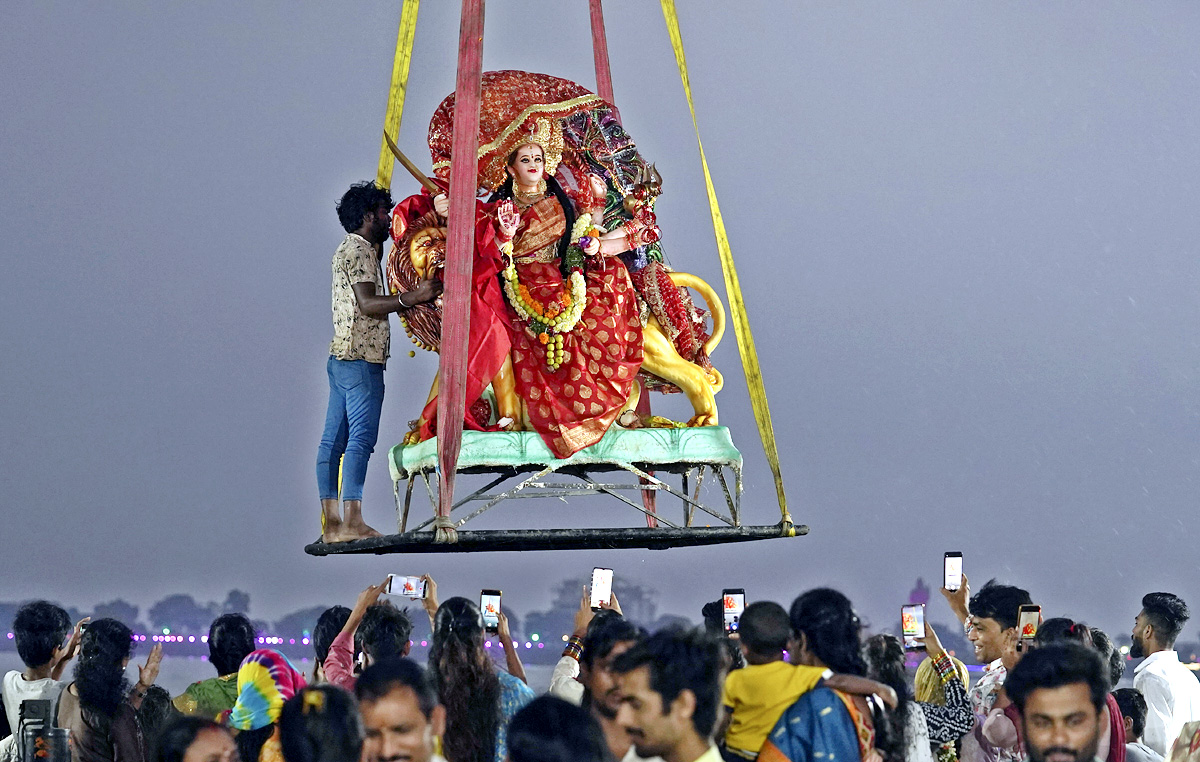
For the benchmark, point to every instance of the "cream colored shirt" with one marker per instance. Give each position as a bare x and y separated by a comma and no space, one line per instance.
357,336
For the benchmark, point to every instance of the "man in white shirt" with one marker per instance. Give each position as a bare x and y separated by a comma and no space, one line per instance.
40,629
402,718
584,676
670,689
1171,690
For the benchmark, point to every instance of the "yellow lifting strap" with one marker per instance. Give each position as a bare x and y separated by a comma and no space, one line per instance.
737,306
395,107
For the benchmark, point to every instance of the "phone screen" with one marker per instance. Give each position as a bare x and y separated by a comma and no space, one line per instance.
733,605
912,625
406,586
489,604
1027,621
953,571
601,589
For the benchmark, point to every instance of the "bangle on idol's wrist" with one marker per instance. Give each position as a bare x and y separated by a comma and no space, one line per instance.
403,304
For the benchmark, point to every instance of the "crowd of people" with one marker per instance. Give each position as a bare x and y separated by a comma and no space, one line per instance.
791,685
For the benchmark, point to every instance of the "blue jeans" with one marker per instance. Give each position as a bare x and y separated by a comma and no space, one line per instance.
351,426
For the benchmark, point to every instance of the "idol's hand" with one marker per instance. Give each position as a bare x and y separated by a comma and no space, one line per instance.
441,204
507,219
599,188
593,247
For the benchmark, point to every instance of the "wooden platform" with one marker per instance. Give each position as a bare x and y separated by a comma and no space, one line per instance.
659,538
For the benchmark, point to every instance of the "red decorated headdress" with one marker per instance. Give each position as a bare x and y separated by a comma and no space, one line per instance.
516,108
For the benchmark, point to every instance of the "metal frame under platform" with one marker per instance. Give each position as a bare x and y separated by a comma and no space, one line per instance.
660,538
519,465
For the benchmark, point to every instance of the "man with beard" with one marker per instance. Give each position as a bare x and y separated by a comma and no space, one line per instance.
357,355
670,690
1060,691
1171,690
599,638
402,719
990,620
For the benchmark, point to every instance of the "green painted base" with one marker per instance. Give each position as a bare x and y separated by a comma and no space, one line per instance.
484,451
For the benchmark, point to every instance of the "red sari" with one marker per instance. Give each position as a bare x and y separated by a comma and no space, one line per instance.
573,406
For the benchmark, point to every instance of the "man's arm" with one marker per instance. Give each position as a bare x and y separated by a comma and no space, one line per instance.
511,657
1158,711
339,664
72,649
958,599
379,307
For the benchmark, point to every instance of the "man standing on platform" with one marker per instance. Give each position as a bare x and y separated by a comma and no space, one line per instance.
357,355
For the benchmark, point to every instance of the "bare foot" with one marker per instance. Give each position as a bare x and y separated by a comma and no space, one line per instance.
335,531
361,531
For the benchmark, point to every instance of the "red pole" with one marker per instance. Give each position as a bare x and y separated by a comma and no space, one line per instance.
460,244
604,86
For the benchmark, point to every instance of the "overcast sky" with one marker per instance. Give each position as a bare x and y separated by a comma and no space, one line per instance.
967,235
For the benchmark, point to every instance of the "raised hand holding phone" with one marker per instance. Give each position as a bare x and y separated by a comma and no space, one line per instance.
912,625
601,587
489,606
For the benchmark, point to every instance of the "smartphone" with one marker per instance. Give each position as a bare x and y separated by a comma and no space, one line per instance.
1028,618
953,571
912,626
406,586
733,605
489,604
601,588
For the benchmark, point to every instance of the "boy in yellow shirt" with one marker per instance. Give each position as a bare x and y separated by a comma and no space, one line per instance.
756,696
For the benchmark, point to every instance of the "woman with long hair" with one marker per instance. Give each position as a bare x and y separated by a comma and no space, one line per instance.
99,707
918,726
480,700
826,632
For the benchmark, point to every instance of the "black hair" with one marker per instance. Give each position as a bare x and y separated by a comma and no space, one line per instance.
999,602
1108,650
885,663
40,627
1133,705
230,640
177,735
155,710
1054,666
329,625
549,729
830,628
384,632
1167,613
100,674
1060,629
765,628
321,723
679,660
362,199
505,191
466,682
713,614
607,629
250,742
381,678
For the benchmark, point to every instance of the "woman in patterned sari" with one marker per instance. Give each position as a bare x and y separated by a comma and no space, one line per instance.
824,724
